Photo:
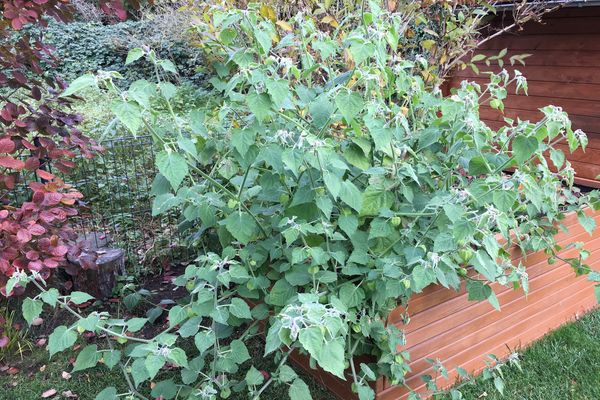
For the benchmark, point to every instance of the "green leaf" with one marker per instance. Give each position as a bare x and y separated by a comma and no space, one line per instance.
83,82
31,309
504,199
260,105
178,357
62,338
80,297
588,223
134,55
485,265
478,290
110,393
242,227
299,390
172,166
365,393
264,39
139,373
523,148
168,66
204,340
167,89
166,390
240,308
242,139
280,293
286,374
478,166
350,195
349,103
375,199
331,358
111,358
348,223
142,91
87,358
312,340
254,377
129,114
557,157
239,351
135,324
153,364
190,327
279,91
176,315
50,297
227,36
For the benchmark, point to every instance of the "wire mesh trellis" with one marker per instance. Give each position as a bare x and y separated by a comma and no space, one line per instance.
117,204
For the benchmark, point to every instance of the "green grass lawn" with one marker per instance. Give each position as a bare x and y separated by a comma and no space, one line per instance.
565,365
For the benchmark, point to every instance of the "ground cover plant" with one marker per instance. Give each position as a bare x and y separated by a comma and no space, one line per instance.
324,181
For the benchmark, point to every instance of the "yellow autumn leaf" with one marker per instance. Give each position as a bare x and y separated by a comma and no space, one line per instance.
285,26
328,19
267,11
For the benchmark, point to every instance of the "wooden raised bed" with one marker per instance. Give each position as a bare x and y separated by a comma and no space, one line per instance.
460,333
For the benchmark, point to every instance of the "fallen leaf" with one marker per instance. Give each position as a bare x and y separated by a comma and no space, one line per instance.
69,395
13,371
66,375
48,393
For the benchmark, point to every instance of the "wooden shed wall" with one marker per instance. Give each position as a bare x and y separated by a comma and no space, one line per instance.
563,70
445,325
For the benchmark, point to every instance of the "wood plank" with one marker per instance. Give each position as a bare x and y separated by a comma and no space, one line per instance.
534,73
571,296
527,43
561,58
546,93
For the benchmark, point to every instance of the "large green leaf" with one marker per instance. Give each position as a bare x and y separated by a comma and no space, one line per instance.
83,82
331,358
110,393
242,227
350,195
87,358
240,308
349,103
129,113
31,309
61,339
523,148
376,199
260,105
172,166
299,390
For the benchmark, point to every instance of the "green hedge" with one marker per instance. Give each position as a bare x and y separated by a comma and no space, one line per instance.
88,46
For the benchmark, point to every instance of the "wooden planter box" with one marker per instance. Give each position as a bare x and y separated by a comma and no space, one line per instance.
460,333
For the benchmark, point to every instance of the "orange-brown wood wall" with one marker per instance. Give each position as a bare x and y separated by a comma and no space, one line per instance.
563,70
445,325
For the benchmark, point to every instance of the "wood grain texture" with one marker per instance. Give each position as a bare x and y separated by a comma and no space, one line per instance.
562,70
444,325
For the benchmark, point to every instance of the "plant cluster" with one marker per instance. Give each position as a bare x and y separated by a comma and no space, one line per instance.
325,181
82,47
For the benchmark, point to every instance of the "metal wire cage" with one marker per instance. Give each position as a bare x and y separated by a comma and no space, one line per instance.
117,204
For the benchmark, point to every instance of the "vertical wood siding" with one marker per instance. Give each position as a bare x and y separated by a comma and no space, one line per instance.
563,70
